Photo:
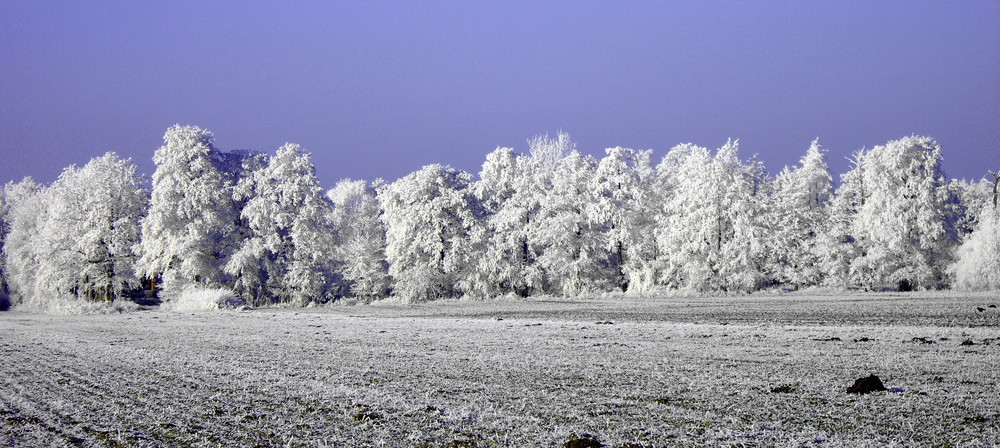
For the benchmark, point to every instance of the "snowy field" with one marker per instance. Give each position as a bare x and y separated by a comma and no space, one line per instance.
743,371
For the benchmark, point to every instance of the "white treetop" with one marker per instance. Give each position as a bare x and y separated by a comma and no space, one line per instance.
287,255
429,219
903,224
977,265
91,231
509,191
799,210
571,250
712,238
189,230
360,239
620,188
26,213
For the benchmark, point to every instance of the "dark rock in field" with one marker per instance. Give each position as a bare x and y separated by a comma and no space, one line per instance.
582,441
783,389
367,416
992,305
980,309
967,342
977,419
833,339
866,385
923,341
607,322
863,339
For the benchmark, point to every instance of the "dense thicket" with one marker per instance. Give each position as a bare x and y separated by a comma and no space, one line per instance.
552,221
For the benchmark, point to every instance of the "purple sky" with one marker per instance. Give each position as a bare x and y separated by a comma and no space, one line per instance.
378,89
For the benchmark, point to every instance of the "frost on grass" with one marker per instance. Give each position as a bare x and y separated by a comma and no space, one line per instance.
737,371
61,305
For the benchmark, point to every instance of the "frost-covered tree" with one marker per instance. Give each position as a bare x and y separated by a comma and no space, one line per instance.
4,229
88,239
713,234
509,192
429,216
620,188
191,228
287,255
25,213
798,212
977,264
360,246
974,199
571,250
548,152
838,245
904,223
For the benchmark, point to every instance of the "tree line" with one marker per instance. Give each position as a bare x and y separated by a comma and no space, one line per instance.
549,221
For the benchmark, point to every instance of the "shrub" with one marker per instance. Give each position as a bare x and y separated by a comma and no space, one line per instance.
203,299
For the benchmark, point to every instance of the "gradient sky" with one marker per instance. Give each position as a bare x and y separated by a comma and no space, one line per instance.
379,89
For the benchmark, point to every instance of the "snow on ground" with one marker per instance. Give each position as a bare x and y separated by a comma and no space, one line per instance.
630,372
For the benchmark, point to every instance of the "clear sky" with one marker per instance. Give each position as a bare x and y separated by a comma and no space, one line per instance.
379,89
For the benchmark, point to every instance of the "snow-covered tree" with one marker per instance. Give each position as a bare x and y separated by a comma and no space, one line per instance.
87,241
904,224
4,229
798,212
191,228
978,258
509,192
620,188
713,235
977,264
24,215
548,152
571,251
429,216
838,245
974,199
360,239
287,256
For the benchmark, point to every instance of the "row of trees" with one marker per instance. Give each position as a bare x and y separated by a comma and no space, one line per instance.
553,221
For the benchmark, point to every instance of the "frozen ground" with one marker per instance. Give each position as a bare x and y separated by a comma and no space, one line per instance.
629,372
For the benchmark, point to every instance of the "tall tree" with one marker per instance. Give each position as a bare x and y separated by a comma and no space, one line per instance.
287,256
620,188
977,264
360,239
838,245
89,237
429,215
508,191
26,213
571,250
190,229
712,237
798,211
904,224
